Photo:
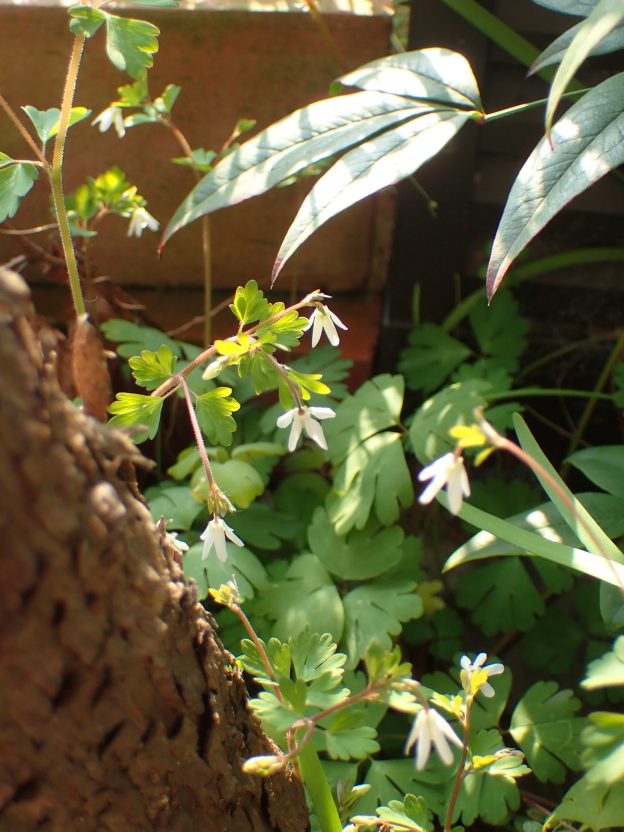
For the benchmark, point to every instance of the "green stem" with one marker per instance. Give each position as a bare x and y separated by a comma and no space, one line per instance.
461,771
56,176
318,788
588,412
530,105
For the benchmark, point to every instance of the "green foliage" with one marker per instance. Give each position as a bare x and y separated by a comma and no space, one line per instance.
604,466
214,413
607,670
595,805
150,369
16,180
546,727
603,739
241,565
250,304
46,122
175,503
409,814
132,410
430,357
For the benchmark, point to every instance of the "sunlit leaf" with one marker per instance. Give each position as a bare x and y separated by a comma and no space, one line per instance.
580,8
608,670
593,805
554,53
214,413
583,146
152,368
380,161
130,409
16,180
130,44
85,21
604,17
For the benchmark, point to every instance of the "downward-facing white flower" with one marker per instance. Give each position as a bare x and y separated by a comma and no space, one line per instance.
324,320
111,116
214,535
304,418
141,219
446,472
469,669
430,728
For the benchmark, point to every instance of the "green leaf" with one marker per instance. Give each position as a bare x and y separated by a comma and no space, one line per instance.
286,147
393,779
606,15
250,304
594,805
134,409
500,330
130,44
545,726
16,180
572,510
602,465
434,75
46,122
85,21
374,477
608,670
201,160
362,555
603,739
375,612
241,564
314,655
581,8
345,736
375,406
583,146
214,413
534,545
175,503
430,357
454,405
375,164
555,53
408,814
555,641
134,338
486,712
501,596
239,480
490,793
305,593
263,527
150,369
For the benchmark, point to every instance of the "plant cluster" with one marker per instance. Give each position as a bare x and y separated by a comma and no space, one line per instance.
293,506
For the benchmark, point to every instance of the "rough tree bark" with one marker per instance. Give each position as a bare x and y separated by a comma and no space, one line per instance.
119,708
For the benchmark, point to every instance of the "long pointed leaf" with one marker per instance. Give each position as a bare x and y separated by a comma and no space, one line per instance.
586,144
578,518
286,147
554,53
533,545
437,75
371,166
580,8
603,19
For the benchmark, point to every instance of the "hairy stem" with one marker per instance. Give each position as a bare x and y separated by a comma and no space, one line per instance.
199,439
461,771
56,175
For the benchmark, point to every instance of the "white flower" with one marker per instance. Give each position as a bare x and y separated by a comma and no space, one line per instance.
214,535
304,419
429,728
111,116
446,472
172,540
470,668
323,320
140,220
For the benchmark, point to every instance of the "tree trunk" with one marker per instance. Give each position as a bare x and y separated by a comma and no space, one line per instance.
119,708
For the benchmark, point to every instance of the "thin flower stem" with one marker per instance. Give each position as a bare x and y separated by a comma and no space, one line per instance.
461,771
56,175
258,645
371,692
279,368
319,790
199,439
168,385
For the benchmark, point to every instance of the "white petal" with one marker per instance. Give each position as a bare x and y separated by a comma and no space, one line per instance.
424,741
439,467
442,747
295,433
310,321
315,432
321,412
455,492
286,418
337,320
487,690
480,660
437,484
465,662
330,331
317,330
219,544
231,535
208,538
494,669
448,732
